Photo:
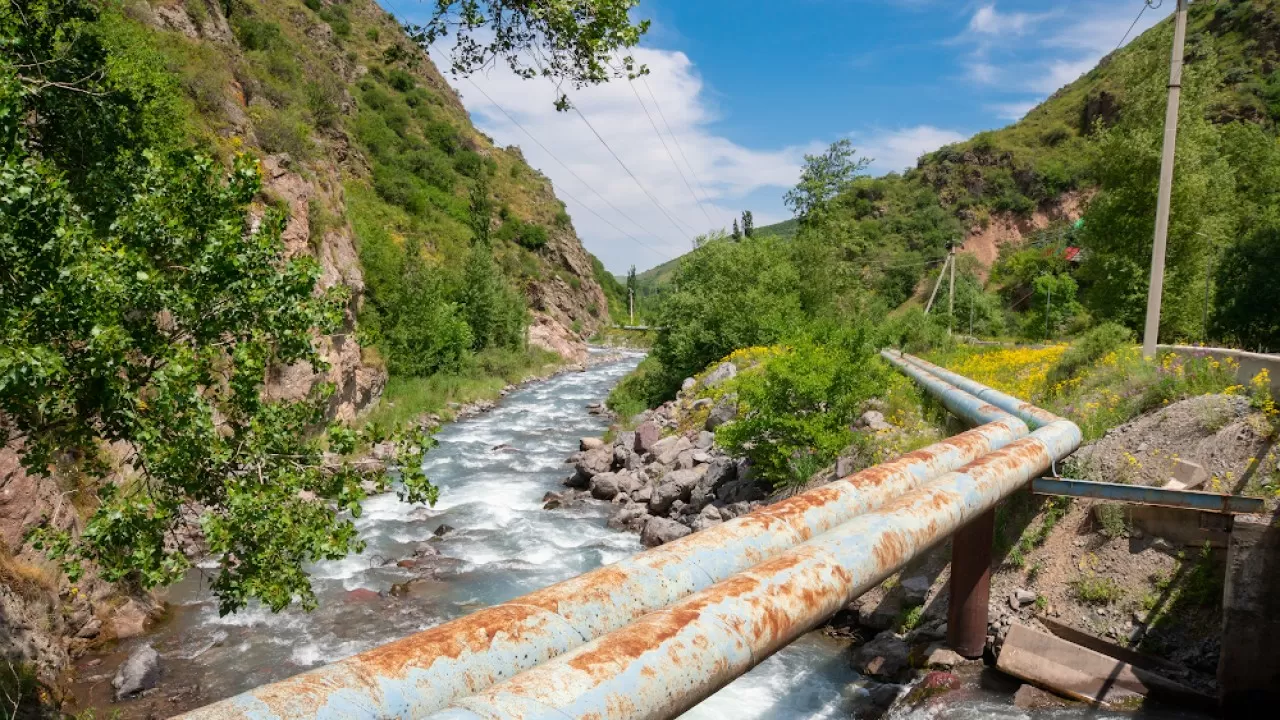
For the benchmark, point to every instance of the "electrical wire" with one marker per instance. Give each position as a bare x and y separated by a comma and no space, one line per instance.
573,106
588,185
702,188
1145,4
670,157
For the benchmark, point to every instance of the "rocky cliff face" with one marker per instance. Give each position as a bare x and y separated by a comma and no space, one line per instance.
45,621
567,302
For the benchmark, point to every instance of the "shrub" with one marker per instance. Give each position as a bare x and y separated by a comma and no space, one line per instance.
254,34
798,410
1087,350
432,166
468,163
398,189
324,101
444,136
1095,590
280,131
336,16
401,80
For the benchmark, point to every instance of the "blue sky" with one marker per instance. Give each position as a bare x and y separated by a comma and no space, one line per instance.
740,90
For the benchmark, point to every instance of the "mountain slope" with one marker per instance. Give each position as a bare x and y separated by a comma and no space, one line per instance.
1006,186
375,157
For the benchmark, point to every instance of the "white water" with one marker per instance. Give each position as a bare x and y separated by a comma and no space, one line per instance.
493,471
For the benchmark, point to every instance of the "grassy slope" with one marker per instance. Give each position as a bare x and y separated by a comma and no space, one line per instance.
1038,158
338,87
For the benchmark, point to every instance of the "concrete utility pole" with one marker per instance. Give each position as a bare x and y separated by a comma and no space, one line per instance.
929,305
631,304
1155,290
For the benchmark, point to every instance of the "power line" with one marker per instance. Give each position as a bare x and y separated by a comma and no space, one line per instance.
639,184
674,138
658,204
670,157
588,185
1145,4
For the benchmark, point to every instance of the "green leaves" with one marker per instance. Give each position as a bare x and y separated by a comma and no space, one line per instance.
566,40
798,409
135,338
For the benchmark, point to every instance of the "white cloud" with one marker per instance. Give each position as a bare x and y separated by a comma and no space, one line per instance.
989,21
897,150
727,170
1012,110
1041,52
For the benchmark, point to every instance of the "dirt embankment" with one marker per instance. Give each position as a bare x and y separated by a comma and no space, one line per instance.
1102,568
984,240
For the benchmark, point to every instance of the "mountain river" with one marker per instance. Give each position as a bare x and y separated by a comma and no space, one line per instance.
493,470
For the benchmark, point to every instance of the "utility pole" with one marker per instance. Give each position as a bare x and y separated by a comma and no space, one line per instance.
631,304
1155,289
1048,311
942,274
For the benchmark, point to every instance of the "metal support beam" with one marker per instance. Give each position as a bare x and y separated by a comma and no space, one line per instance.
1141,495
970,585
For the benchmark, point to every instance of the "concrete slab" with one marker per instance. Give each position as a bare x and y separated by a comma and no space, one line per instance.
1077,672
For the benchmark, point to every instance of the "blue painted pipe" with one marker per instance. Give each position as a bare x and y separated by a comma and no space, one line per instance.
668,661
416,675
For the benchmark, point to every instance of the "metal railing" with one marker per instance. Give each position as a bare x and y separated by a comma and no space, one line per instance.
652,635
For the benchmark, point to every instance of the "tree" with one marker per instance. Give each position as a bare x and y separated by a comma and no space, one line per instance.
1120,220
145,293
140,340
571,41
495,312
632,287
736,234
824,177
1249,289
748,223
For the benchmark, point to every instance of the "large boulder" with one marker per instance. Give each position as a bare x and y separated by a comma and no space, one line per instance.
646,436
590,443
642,493
671,453
605,486
915,589
724,371
662,497
623,519
886,658
687,480
688,385
592,463
705,440
139,673
740,490
725,411
874,420
658,531
130,620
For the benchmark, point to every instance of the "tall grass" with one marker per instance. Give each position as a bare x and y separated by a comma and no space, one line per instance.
482,378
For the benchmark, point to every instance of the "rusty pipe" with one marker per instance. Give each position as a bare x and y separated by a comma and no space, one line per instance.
962,403
416,675
668,661
1034,416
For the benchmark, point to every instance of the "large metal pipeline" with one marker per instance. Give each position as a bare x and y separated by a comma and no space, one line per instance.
416,675
1034,416
668,661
